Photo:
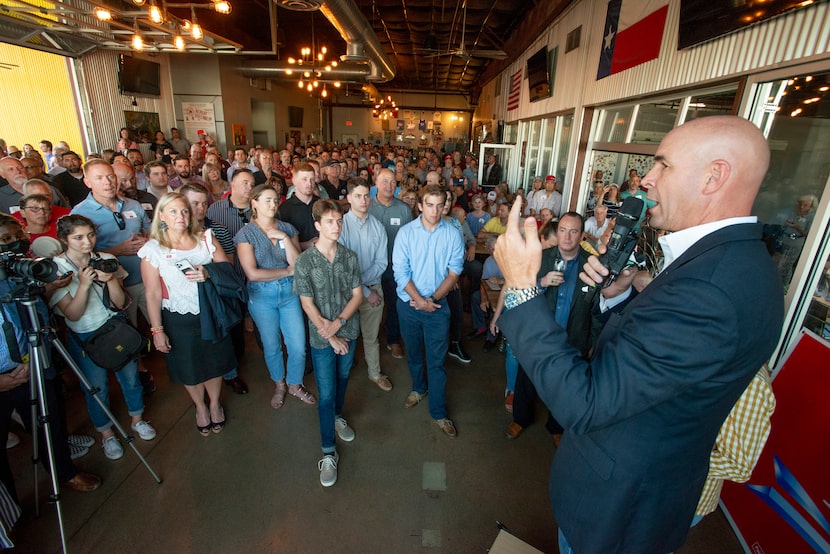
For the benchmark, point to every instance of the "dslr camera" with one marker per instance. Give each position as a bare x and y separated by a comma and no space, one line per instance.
107,265
20,268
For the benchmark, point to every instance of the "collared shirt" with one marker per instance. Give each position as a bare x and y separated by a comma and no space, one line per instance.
494,225
542,199
109,234
675,244
330,285
393,217
177,182
426,257
565,293
740,440
298,213
368,240
225,213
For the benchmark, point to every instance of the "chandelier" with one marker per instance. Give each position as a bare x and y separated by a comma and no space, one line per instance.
385,108
312,69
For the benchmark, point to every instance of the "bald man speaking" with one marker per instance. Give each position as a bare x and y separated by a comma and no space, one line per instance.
642,415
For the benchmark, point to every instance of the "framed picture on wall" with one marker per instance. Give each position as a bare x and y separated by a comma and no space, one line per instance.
143,126
296,137
239,134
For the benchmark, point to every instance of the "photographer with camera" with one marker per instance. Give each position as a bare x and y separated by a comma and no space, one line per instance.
92,297
14,379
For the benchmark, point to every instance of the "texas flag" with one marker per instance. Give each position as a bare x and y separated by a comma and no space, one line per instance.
633,34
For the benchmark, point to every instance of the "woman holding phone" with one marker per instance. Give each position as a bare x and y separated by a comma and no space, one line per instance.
172,265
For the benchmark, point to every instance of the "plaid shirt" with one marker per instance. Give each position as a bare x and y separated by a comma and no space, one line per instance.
740,440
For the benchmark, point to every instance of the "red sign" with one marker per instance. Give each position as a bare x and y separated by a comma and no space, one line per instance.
784,507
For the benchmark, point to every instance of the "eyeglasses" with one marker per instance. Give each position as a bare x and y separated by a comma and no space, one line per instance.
242,215
37,209
119,220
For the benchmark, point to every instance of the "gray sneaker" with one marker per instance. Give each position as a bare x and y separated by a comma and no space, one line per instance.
144,430
328,469
76,451
84,441
343,430
113,449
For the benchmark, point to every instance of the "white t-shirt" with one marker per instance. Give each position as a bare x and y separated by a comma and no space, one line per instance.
96,313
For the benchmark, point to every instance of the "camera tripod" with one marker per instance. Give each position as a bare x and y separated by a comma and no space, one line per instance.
39,338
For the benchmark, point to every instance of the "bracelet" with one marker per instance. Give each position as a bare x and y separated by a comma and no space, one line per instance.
157,332
157,328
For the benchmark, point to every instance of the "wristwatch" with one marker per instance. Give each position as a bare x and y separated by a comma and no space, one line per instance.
343,321
513,297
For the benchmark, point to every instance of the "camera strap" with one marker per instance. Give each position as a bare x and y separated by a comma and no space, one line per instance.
11,338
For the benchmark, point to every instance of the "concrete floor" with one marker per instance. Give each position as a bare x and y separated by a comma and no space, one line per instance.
403,486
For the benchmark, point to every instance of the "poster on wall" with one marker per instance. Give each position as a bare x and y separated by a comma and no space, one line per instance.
143,126
422,124
240,137
198,116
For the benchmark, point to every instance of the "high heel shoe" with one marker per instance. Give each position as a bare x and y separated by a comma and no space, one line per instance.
217,426
204,430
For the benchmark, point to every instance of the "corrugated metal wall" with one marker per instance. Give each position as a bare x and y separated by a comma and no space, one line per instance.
37,99
802,35
98,79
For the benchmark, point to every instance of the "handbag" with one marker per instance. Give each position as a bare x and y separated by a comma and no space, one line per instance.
114,344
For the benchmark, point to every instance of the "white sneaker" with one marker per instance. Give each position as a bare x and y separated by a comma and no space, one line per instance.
328,469
144,430
343,430
112,448
84,441
76,451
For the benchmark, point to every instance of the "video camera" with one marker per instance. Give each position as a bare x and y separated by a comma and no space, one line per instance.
20,268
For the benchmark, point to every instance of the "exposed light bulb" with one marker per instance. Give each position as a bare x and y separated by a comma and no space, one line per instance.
186,25
306,74
155,14
310,88
289,72
324,93
139,2
102,14
137,42
316,84
334,63
292,61
222,6
196,31
300,84
179,42
337,84
323,50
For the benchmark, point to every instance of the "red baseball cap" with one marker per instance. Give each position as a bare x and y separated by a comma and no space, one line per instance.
550,178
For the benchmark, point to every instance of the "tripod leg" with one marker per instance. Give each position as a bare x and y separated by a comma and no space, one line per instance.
94,392
33,402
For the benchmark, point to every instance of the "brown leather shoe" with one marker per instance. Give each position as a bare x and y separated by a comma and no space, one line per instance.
83,482
397,351
513,430
382,382
447,427
239,386
508,403
413,399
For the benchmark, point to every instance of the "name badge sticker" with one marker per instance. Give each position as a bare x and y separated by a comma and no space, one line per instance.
129,214
395,221
147,207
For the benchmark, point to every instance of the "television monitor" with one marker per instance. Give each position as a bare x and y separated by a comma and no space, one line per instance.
139,77
538,75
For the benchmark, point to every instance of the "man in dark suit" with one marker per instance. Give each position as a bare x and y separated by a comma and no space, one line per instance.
642,415
492,172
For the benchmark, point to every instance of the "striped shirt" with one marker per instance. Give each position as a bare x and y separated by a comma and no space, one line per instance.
740,440
225,213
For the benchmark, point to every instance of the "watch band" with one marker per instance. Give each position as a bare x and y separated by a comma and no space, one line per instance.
514,297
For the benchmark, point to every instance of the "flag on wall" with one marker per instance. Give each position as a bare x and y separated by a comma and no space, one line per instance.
515,91
633,34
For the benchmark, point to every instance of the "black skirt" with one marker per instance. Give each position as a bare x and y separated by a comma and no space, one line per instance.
191,360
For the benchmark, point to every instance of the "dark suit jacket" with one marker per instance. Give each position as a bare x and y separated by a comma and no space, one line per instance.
643,414
494,177
578,328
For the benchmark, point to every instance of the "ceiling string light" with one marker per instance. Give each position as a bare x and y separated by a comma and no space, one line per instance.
385,108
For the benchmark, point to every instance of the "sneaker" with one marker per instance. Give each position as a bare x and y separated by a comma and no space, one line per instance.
84,441
383,382
144,430
397,351
112,448
76,451
343,430
148,385
12,441
447,427
413,398
457,352
328,469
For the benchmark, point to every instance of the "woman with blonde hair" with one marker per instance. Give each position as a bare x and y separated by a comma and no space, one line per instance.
212,176
172,264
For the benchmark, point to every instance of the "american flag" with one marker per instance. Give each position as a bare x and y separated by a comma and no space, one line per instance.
515,91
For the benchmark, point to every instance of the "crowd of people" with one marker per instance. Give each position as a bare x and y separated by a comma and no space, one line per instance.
330,243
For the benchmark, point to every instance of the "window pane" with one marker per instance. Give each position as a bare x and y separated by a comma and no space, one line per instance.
614,123
561,161
654,121
711,104
798,132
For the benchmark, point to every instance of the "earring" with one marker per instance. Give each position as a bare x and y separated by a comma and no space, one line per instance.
163,225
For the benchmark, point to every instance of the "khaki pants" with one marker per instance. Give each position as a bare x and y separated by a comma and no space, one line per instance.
370,318
139,302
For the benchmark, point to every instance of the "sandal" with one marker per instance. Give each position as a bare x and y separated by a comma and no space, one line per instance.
302,393
279,395
204,430
217,426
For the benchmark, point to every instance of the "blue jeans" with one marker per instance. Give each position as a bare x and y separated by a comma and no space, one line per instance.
332,374
276,309
98,377
427,332
511,368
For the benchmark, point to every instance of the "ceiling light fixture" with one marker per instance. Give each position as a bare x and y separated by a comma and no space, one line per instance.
102,14
311,68
139,2
195,28
155,13
222,6
179,42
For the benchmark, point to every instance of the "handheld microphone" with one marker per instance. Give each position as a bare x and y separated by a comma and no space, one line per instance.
623,239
